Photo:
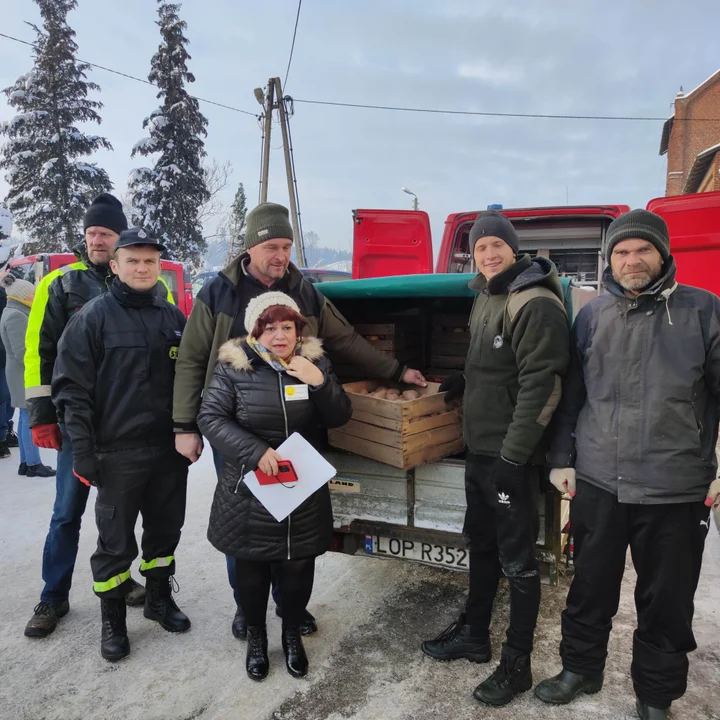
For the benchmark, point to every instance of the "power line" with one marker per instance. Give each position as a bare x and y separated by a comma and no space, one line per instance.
132,77
292,47
438,111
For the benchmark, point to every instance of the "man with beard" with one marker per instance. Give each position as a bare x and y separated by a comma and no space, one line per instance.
59,296
635,448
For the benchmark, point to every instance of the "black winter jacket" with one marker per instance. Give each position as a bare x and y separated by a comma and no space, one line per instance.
243,413
113,378
640,409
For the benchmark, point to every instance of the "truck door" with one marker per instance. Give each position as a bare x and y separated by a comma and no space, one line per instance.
694,225
391,242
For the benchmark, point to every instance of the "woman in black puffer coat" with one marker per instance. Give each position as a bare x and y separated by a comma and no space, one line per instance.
246,413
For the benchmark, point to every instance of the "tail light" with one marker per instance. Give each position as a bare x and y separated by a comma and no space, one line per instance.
188,290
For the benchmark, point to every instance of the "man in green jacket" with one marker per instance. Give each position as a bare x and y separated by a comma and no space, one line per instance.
519,351
218,315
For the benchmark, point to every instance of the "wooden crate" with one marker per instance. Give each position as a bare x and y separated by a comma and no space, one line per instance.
403,434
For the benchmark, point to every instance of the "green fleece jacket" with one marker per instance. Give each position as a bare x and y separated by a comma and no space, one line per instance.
515,364
218,315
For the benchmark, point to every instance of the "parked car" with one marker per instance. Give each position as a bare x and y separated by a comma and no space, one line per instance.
34,268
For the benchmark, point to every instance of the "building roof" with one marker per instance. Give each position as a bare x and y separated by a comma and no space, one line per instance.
699,169
668,126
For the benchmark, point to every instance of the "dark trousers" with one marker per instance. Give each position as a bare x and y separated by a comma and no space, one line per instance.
61,543
153,483
666,543
501,539
6,409
295,579
230,561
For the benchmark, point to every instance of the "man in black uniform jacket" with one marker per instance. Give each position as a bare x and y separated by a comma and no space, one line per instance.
112,385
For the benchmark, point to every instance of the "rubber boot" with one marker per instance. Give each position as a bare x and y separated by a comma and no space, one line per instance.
566,686
256,659
114,644
647,712
160,606
296,660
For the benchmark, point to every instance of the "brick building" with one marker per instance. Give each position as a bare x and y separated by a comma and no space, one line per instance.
691,139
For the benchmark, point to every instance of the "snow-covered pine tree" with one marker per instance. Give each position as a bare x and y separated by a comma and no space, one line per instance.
166,198
236,224
44,158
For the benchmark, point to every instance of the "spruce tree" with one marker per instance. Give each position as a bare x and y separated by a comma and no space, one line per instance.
45,155
236,224
166,198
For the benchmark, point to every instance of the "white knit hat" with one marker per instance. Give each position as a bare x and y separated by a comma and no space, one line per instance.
258,305
17,288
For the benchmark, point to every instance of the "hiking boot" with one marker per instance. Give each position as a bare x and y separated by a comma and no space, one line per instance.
22,469
646,712
256,659
45,618
296,660
160,606
12,439
135,596
308,626
239,625
114,643
455,642
38,470
566,686
512,677
4,450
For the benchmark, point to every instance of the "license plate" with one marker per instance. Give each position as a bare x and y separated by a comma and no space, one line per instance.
442,555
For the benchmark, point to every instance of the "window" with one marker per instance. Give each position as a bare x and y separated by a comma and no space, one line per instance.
582,265
170,277
24,271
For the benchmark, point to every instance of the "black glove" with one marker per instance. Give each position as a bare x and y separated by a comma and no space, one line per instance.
454,386
508,479
87,469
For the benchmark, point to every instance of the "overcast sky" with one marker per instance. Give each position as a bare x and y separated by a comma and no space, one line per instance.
601,57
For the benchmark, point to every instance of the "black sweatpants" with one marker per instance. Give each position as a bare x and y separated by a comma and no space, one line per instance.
666,543
501,539
295,582
149,481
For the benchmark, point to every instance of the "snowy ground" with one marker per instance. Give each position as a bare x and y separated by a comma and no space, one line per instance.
365,661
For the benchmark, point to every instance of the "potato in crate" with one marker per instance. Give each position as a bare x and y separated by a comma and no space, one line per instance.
402,428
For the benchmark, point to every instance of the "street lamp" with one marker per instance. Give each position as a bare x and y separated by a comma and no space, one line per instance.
410,192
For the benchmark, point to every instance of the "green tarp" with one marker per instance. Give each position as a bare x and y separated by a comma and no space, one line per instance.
448,285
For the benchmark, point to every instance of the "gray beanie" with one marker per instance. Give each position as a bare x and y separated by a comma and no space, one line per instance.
495,224
267,221
17,288
641,224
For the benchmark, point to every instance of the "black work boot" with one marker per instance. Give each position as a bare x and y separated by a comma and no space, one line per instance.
38,470
308,626
135,596
512,677
256,659
114,644
239,625
566,686
456,642
646,712
296,660
160,606
12,439
22,468
4,450
45,618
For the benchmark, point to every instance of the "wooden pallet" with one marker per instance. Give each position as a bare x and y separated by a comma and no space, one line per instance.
402,434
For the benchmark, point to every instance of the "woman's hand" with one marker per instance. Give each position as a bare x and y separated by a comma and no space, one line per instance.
302,369
269,462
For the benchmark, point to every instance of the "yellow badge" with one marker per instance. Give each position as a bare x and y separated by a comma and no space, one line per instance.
173,353
289,391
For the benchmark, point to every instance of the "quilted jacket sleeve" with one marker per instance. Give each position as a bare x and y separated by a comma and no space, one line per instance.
330,400
218,423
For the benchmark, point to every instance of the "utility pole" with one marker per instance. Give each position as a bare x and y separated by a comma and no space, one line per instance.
274,101
299,246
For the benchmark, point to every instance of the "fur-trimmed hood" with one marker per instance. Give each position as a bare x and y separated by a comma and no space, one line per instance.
234,352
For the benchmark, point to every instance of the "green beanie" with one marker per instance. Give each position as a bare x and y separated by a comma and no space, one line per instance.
267,221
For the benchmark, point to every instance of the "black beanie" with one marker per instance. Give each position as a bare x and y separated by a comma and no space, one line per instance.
641,224
493,223
106,211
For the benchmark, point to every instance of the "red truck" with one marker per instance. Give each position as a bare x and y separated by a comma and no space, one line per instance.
176,275
399,242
